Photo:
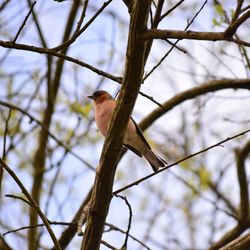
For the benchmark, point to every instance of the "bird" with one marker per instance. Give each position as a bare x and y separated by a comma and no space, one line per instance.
134,140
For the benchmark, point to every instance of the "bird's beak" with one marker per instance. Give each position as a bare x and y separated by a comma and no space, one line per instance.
91,97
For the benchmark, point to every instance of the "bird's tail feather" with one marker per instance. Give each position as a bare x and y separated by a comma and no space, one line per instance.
154,160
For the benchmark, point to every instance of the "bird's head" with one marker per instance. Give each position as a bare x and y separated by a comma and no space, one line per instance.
100,96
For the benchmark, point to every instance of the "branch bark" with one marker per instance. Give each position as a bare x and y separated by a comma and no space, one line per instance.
102,191
61,55
241,155
191,35
240,243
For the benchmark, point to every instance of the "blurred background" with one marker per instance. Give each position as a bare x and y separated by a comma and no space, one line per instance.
190,206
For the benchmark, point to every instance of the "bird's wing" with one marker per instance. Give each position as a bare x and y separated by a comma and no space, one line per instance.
134,150
138,130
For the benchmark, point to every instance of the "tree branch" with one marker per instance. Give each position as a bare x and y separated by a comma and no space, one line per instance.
102,191
228,237
230,31
43,127
208,87
179,161
79,31
47,51
191,35
240,243
241,155
211,86
35,206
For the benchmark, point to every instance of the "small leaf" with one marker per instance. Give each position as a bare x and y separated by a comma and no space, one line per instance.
80,109
205,177
219,9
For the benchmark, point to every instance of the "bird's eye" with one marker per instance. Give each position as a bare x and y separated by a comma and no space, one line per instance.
98,94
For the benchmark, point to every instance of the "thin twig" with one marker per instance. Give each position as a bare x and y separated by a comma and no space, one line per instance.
171,9
113,227
218,144
5,134
84,9
4,147
33,203
38,225
108,245
80,31
4,4
175,43
201,196
32,118
52,52
124,246
24,22
19,198
151,98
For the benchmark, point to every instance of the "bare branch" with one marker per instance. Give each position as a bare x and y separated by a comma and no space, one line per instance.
113,227
19,198
24,22
124,246
240,243
69,232
172,9
47,51
208,87
228,237
4,147
230,31
191,35
32,202
218,144
237,11
241,155
32,118
79,31
102,191
4,245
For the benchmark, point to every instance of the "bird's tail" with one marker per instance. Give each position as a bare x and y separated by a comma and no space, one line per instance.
154,160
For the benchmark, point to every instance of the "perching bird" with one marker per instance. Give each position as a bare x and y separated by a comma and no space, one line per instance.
134,140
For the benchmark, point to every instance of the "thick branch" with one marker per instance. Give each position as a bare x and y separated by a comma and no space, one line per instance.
102,191
230,31
243,183
240,243
228,237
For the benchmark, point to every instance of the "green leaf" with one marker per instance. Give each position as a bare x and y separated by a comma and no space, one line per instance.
205,177
219,9
80,109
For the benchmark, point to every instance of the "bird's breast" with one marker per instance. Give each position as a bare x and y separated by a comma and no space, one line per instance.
103,114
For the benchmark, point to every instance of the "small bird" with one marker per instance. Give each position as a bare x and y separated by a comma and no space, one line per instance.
134,140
